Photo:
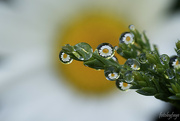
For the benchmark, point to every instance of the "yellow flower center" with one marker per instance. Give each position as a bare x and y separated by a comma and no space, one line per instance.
94,29
177,62
128,38
135,66
125,84
105,50
112,74
65,55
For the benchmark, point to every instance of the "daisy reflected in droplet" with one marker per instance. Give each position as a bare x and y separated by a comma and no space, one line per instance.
176,64
65,58
135,67
122,85
127,38
132,27
105,50
112,76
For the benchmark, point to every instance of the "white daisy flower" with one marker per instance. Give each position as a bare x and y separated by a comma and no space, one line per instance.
112,76
33,24
176,64
132,27
105,50
127,38
65,58
124,86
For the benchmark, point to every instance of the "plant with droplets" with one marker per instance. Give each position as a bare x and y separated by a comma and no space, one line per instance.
145,70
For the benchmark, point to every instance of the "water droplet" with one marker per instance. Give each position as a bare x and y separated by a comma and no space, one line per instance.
131,27
65,58
169,74
122,85
115,48
178,52
142,58
164,59
83,51
105,50
129,77
152,67
115,58
149,76
127,38
174,62
120,52
133,64
111,73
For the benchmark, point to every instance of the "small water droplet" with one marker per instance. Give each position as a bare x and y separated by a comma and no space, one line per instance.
115,58
111,73
149,76
142,58
65,58
178,52
120,52
152,67
129,77
122,85
164,59
133,64
115,48
174,62
169,74
131,27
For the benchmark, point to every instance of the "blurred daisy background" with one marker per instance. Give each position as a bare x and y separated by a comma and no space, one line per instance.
35,86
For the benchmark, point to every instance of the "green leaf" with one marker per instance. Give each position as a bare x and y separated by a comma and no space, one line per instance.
142,83
151,58
174,88
96,64
178,44
148,91
171,90
161,96
135,87
84,50
178,95
68,49
174,97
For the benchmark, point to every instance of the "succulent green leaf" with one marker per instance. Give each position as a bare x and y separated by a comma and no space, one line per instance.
148,91
174,97
96,64
161,96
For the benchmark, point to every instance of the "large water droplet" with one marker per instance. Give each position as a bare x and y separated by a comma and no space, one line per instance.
105,50
133,64
127,38
83,51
